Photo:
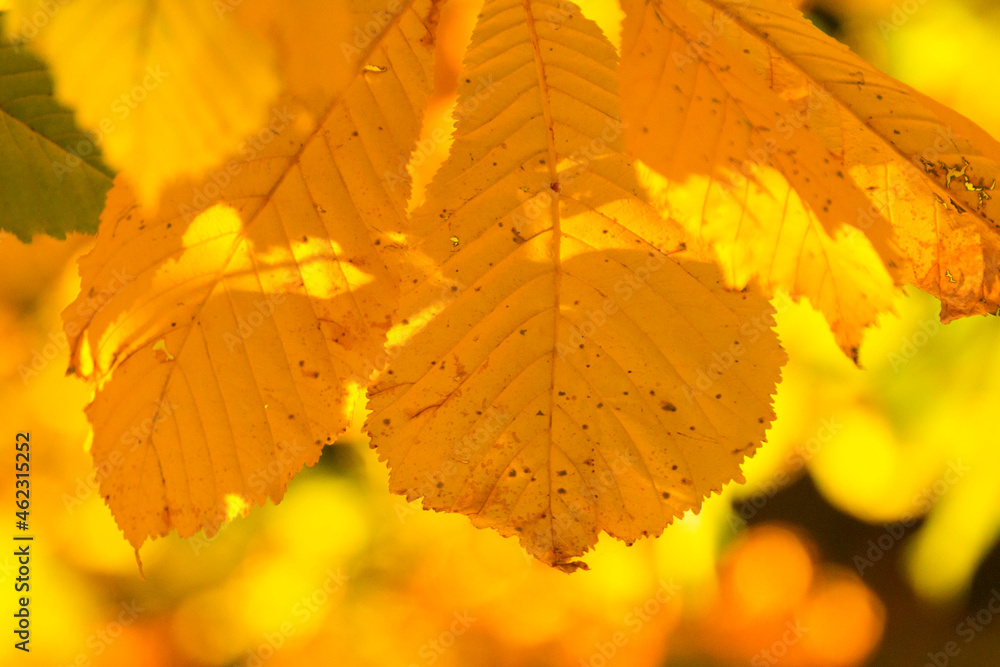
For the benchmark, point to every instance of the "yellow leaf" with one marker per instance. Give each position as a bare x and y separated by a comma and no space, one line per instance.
778,243
927,169
169,87
744,173
224,333
314,39
558,368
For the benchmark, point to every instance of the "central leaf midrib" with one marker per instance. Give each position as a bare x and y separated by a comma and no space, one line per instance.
555,246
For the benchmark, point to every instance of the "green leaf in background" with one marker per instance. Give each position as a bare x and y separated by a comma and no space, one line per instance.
52,179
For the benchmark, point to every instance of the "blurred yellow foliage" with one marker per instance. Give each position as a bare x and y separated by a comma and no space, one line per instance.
346,574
